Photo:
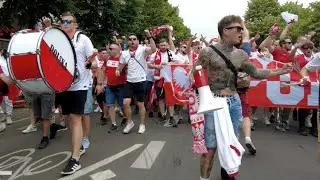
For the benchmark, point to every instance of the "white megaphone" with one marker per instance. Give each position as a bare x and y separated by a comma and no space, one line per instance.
207,102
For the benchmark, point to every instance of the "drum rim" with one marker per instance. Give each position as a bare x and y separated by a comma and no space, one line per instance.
39,60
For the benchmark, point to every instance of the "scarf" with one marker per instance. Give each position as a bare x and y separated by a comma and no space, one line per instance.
197,123
194,58
158,61
157,30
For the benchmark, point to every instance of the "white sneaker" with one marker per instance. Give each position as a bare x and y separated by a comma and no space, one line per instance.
9,120
98,109
29,129
2,126
142,129
128,127
308,121
267,122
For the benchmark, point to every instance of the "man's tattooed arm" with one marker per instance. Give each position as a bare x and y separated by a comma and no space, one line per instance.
248,67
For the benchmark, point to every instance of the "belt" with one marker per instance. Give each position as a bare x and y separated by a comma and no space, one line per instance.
221,95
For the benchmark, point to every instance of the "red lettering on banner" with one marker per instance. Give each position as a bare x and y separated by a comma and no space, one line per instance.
283,91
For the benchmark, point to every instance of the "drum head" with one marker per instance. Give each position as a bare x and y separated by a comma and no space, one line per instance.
57,60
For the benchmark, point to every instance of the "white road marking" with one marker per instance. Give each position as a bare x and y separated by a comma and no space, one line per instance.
101,163
149,155
5,173
104,175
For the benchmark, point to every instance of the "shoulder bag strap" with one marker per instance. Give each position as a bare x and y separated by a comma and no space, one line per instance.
228,62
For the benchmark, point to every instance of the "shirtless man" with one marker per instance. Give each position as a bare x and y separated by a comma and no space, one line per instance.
222,83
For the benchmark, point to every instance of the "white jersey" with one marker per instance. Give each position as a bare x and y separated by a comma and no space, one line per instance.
84,49
137,64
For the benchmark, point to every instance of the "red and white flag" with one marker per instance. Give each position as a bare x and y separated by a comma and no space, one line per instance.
283,90
176,83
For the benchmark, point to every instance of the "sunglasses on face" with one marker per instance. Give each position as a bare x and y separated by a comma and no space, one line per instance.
239,28
288,42
184,47
306,47
67,21
132,39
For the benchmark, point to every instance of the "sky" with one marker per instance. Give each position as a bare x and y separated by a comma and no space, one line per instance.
202,17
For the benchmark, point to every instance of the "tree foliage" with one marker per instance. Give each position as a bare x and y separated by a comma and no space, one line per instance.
98,18
262,14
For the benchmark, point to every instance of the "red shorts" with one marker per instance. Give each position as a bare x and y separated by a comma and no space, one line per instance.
244,104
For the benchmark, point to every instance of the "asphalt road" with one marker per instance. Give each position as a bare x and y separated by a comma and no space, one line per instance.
159,154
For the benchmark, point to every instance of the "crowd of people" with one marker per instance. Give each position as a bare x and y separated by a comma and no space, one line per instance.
126,70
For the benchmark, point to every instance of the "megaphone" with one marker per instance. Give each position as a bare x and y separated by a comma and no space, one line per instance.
207,102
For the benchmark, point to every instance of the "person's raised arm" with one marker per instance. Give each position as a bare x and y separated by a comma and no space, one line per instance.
153,48
170,38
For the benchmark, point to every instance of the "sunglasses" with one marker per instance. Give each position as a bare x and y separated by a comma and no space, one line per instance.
288,42
307,47
184,47
239,28
67,21
132,39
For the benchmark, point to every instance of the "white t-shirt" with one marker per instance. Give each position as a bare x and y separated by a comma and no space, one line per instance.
164,57
182,59
84,49
137,64
314,64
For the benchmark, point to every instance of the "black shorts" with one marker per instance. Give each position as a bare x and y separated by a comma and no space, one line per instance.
136,90
57,100
73,102
159,91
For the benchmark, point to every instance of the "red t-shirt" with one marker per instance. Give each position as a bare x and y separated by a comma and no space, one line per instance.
281,55
111,66
302,60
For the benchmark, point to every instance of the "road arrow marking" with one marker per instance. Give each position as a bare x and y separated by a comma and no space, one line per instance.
103,175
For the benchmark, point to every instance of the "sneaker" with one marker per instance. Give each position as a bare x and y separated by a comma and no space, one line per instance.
128,127
1,111
113,128
251,148
124,121
56,111
82,150
72,166
31,128
2,126
267,122
172,122
142,129
44,143
303,131
286,125
85,143
53,130
9,120
98,109
61,127
308,121
280,127
121,113
103,121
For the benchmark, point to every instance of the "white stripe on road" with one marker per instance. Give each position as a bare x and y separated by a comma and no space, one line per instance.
149,155
104,175
99,164
5,173
23,128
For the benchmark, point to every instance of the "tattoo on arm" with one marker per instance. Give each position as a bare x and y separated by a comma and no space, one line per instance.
250,69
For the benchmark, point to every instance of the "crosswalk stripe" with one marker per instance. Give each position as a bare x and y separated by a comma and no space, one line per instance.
149,155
